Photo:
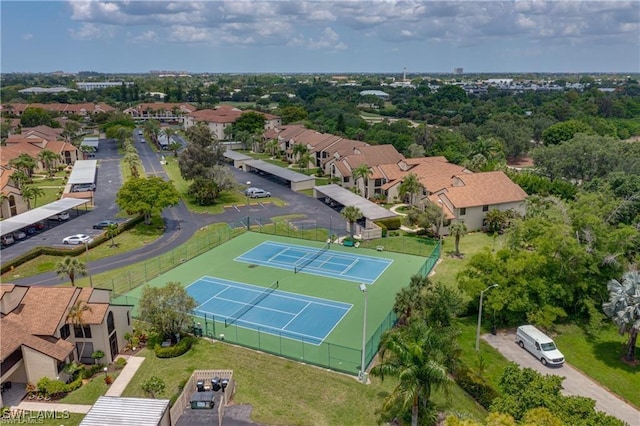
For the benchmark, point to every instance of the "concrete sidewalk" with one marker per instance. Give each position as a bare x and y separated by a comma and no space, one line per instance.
120,383
52,406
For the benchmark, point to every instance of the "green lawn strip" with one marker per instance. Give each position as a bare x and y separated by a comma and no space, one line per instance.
64,419
89,393
420,246
135,238
280,390
599,357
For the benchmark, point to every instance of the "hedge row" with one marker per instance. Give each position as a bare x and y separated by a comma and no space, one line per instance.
55,388
55,251
390,223
176,350
479,389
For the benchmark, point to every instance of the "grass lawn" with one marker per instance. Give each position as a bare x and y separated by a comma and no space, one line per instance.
599,357
89,393
65,419
282,391
226,198
133,239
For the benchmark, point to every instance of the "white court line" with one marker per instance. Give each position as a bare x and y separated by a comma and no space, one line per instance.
278,254
296,316
354,263
333,252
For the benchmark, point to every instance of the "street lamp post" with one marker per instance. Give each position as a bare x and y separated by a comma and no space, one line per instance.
480,316
86,246
441,224
363,369
248,217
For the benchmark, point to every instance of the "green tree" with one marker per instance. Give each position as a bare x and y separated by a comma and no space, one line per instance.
293,113
168,309
411,186
111,231
32,193
49,159
305,159
147,196
362,172
204,191
409,299
495,220
174,147
32,117
152,128
153,386
19,179
299,150
203,151
251,122
457,231
71,267
25,163
564,131
76,317
624,308
415,356
272,146
352,214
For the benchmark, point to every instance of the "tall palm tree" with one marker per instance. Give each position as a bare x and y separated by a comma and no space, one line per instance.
76,317
31,193
272,146
416,356
411,186
112,231
624,308
351,214
24,163
49,159
458,230
362,172
299,150
71,267
305,159
409,299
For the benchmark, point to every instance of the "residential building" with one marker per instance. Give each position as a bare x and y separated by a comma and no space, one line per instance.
96,85
11,201
83,109
223,117
161,111
39,336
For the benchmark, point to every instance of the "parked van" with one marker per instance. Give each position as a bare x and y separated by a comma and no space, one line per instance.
539,344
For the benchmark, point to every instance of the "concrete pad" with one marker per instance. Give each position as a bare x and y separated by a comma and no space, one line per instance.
120,383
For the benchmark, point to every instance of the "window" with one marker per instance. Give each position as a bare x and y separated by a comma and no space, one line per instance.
463,211
110,324
485,208
346,179
128,318
77,331
64,331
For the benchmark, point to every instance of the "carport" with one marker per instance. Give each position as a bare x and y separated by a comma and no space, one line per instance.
296,181
36,215
238,159
338,197
83,173
92,142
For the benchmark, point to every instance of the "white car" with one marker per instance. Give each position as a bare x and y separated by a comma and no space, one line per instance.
77,239
260,193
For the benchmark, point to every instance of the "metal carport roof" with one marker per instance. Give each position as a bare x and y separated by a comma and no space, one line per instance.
91,141
236,156
345,197
84,171
41,213
281,172
115,410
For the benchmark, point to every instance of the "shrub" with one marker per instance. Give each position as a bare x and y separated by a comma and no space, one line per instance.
153,386
97,355
120,363
176,350
51,388
481,391
391,223
90,371
108,379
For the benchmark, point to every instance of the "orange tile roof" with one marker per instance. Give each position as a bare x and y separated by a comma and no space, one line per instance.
480,189
373,155
15,334
224,114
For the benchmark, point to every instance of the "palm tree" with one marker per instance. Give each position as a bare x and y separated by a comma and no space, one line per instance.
411,186
76,317
362,172
71,267
25,163
49,159
495,220
272,146
351,214
19,178
624,308
409,299
112,231
415,356
458,230
298,150
152,127
31,193
305,159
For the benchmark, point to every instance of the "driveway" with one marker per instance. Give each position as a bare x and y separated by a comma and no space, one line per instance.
575,383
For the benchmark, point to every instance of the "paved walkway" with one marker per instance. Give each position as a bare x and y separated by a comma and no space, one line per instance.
574,383
117,387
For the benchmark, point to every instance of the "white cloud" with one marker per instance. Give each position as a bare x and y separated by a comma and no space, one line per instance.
185,34
88,31
27,36
144,37
329,39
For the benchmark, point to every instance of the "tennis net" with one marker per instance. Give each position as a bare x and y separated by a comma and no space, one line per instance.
246,308
306,263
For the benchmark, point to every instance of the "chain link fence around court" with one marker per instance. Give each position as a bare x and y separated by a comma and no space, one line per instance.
335,357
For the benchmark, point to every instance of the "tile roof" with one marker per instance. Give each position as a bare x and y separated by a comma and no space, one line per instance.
15,334
480,189
224,114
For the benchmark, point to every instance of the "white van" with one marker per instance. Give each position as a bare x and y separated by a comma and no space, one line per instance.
539,344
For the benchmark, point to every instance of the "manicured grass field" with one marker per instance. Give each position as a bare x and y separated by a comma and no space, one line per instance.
283,391
72,420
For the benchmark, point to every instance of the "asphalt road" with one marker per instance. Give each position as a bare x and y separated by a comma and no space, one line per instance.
575,383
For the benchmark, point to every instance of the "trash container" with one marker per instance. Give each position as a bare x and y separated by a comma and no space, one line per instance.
200,385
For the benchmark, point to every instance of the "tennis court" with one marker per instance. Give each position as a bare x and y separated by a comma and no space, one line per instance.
294,316
323,262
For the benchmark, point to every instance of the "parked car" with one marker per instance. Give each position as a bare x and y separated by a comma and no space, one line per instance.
104,224
77,239
260,193
60,216
7,240
250,191
83,187
19,235
539,344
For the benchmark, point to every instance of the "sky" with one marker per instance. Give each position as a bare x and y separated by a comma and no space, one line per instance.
356,36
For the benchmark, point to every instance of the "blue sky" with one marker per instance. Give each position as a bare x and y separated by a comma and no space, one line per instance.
320,36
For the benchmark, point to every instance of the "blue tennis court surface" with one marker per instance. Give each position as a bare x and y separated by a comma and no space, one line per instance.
294,316
334,264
